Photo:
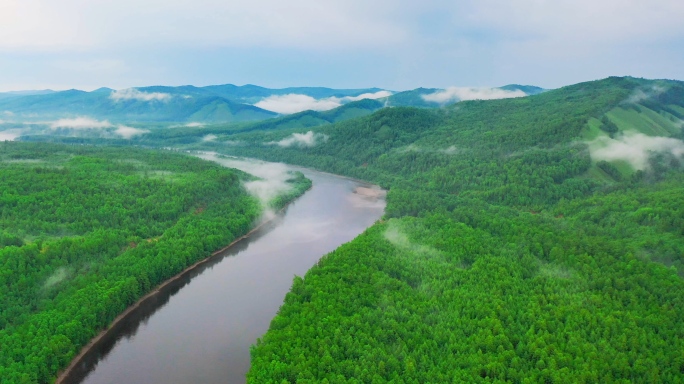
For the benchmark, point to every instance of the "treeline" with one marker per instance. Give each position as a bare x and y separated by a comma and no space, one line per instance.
86,231
501,258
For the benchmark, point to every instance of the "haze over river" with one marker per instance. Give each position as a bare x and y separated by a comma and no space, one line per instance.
200,330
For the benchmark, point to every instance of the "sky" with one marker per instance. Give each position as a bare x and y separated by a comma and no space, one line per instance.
396,45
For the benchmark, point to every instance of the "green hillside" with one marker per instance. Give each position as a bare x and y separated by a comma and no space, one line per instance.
414,97
308,119
535,239
86,231
508,253
193,137
528,89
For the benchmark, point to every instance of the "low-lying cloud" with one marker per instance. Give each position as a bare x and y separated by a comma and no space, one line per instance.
293,103
453,94
634,148
80,123
10,134
272,177
640,95
56,278
134,94
452,150
376,95
397,236
87,123
129,132
193,124
209,137
308,139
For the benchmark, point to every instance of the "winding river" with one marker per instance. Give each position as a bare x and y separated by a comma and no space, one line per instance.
200,328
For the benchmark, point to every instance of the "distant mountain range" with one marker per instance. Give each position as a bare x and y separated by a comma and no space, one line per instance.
219,103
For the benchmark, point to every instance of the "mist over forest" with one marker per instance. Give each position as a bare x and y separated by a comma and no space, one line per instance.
526,237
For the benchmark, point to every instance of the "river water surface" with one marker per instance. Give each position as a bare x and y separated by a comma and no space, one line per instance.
201,328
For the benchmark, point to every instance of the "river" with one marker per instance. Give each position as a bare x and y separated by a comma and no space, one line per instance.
200,329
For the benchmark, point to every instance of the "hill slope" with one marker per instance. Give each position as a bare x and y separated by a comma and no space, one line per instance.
87,231
530,239
504,256
417,97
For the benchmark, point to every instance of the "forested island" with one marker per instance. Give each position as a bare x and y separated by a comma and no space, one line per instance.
86,231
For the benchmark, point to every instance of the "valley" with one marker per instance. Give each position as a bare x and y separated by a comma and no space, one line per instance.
534,238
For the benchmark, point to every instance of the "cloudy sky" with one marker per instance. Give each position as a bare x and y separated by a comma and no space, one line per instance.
396,44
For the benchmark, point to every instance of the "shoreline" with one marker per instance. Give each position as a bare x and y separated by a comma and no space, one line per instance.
95,341
295,166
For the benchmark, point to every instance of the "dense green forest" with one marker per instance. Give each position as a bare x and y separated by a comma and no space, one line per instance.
511,251
536,239
86,231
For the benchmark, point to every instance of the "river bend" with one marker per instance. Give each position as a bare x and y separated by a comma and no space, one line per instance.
200,329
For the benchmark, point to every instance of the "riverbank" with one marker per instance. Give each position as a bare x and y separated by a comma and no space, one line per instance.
106,334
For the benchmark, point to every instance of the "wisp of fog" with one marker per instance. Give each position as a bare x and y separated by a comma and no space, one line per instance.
272,177
634,148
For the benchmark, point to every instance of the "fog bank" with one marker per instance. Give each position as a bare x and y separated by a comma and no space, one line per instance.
453,94
634,148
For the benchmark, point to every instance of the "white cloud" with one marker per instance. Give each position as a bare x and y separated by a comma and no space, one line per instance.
86,123
209,138
376,95
293,103
640,95
397,236
10,134
134,94
188,125
453,94
42,24
452,150
57,277
580,21
399,44
273,176
634,148
129,132
308,139
80,123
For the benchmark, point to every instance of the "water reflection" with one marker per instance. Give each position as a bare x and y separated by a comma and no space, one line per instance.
200,329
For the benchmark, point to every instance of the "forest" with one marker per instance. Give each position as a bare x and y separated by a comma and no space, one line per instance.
525,240
86,231
508,252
